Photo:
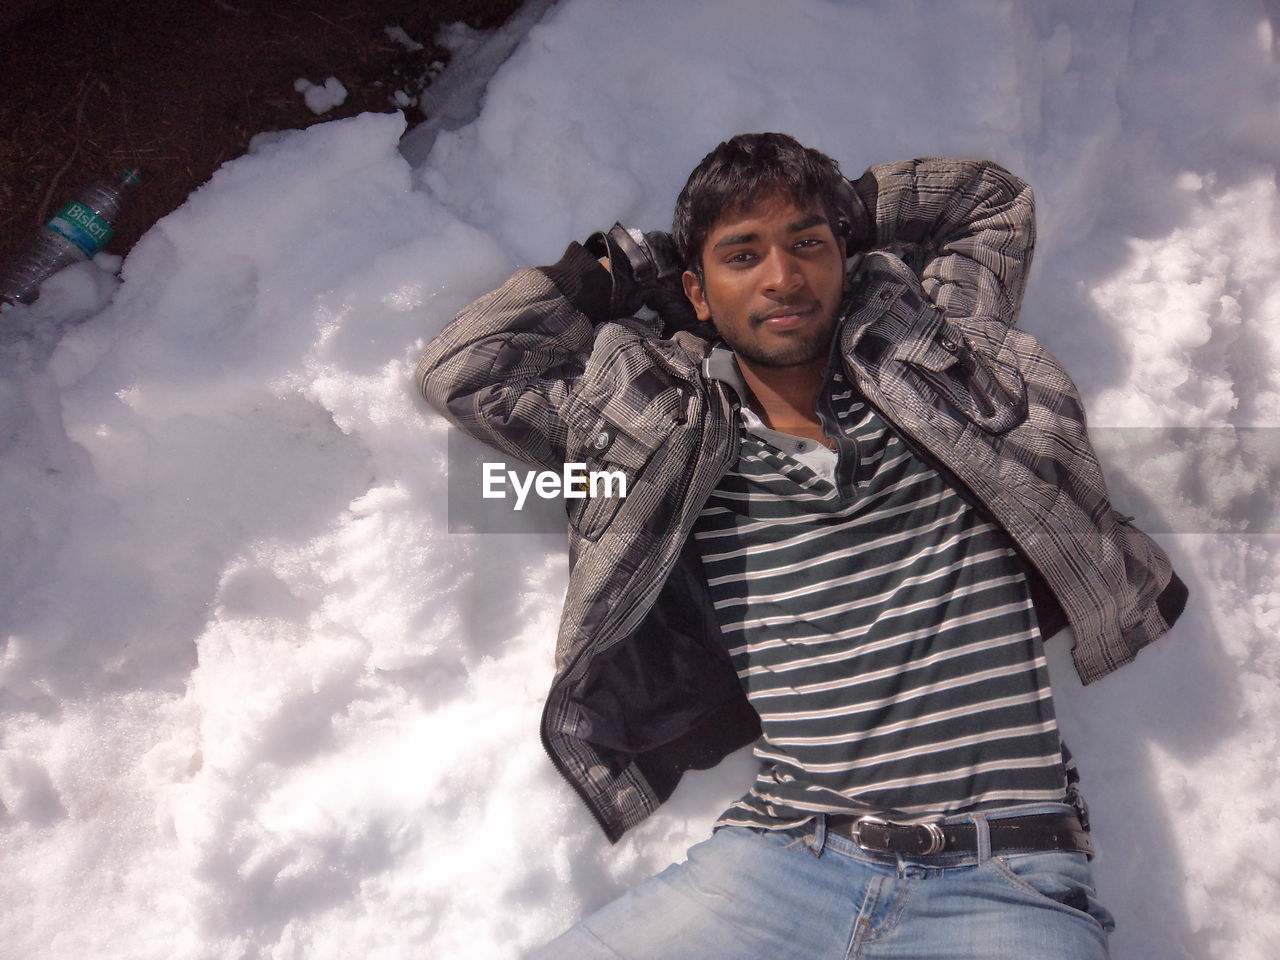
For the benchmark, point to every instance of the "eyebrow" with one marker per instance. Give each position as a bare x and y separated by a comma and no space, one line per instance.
798,226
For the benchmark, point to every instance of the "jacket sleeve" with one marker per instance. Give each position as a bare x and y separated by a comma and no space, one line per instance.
506,366
967,228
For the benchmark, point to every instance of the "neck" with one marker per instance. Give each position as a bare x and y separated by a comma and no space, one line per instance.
784,396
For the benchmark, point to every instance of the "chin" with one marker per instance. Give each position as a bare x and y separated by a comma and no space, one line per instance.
783,357
789,354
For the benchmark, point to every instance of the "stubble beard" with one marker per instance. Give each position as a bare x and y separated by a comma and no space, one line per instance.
797,351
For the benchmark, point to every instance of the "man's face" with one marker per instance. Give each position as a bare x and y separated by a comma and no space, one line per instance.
773,278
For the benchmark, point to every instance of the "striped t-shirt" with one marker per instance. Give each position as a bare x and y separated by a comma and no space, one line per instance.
882,628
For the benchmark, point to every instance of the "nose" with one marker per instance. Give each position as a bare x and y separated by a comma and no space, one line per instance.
781,271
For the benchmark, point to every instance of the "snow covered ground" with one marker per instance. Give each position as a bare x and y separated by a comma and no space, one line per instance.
258,702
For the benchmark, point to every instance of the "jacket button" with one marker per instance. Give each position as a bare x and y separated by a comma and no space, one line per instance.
948,345
602,439
886,294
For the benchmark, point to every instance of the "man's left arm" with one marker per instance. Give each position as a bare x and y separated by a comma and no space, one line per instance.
967,228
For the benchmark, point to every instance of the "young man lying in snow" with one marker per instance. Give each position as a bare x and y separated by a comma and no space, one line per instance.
858,498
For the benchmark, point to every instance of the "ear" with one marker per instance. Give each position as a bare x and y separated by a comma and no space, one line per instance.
693,289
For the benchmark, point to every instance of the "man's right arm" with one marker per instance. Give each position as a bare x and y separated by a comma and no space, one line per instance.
504,369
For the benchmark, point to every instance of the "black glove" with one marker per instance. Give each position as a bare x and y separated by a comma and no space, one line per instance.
646,271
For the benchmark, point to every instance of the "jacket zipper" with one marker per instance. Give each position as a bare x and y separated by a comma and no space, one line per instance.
556,762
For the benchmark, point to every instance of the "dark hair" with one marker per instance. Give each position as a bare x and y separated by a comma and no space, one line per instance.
745,169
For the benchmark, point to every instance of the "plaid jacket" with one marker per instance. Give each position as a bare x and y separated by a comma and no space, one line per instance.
643,687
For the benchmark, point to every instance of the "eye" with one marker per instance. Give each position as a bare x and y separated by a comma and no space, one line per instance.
740,258
810,242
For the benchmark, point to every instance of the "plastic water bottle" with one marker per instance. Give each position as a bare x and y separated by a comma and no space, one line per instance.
76,232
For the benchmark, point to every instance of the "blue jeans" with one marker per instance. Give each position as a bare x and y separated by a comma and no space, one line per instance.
812,895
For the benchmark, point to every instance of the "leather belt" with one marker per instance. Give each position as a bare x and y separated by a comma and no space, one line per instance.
1042,831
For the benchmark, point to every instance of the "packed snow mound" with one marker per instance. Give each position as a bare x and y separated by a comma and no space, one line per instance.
258,701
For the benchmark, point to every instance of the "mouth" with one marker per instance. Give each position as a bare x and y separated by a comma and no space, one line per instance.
787,317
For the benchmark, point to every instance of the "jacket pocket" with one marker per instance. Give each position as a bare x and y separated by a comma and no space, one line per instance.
987,393
614,437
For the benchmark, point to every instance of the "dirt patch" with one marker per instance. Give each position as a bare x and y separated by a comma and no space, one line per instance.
178,87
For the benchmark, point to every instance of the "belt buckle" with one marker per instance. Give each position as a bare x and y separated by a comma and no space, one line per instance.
857,833
937,840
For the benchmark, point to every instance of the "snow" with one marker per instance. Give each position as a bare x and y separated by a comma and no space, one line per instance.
321,98
455,95
259,702
397,34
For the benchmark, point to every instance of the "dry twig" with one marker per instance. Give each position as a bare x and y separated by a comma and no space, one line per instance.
43,213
